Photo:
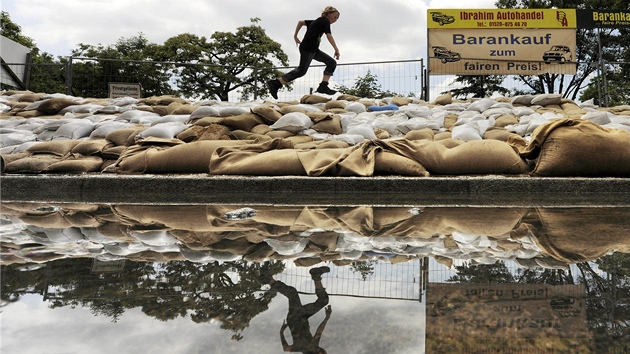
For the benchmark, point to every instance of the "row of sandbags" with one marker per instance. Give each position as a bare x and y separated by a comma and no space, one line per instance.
316,136
563,147
532,237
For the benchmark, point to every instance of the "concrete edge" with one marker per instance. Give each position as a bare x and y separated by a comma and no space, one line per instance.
298,190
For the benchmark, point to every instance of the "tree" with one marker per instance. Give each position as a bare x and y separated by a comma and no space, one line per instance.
587,48
13,31
229,62
366,86
479,86
128,60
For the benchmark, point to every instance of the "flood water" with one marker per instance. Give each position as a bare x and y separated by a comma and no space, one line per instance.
80,278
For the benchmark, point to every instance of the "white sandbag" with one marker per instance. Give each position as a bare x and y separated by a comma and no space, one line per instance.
356,107
292,122
417,124
81,108
129,115
16,138
232,111
420,112
599,117
77,129
389,123
467,132
520,111
163,130
204,111
351,139
182,118
481,105
362,129
103,129
123,101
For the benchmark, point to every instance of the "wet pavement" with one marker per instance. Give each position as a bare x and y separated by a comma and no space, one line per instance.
129,278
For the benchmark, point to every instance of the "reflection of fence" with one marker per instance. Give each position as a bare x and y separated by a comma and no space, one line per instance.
384,280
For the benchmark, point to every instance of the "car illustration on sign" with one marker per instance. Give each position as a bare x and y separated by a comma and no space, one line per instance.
557,53
441,18
445,55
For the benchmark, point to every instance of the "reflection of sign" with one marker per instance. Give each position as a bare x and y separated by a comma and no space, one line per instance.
506,318
603,18
124,90
501,18
108,267
511,51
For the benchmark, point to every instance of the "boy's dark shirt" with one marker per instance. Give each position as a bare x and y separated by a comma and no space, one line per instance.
314,31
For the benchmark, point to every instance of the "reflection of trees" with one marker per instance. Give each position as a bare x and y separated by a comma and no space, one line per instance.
608,301
228,291
365,268
482,273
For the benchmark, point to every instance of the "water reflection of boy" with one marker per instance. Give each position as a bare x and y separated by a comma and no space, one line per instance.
298,315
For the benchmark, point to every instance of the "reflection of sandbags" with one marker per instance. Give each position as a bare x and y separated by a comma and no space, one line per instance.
567,147
581,234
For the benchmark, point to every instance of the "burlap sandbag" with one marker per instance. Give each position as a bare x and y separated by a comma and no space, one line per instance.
8,158
91,146
243,121
56,147
31,164
574,147
269,114
328,124
124,136
54,105
76,164
272,158
420,134
313,99
473,157
183,158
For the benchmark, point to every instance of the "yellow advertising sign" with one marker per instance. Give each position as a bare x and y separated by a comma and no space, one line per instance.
507,52
501,18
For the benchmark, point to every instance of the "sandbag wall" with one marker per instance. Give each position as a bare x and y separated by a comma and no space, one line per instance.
542,135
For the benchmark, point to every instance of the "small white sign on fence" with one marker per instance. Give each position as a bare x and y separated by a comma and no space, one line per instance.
121,89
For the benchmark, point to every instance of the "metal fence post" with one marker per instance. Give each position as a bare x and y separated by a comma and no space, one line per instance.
68,70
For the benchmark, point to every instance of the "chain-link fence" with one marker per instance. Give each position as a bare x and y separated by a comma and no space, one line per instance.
89,77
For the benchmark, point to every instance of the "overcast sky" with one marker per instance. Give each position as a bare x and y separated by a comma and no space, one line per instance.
367,30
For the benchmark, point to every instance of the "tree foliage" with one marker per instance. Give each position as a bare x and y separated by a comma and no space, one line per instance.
366,86
614,45
128,60
241,61
479,86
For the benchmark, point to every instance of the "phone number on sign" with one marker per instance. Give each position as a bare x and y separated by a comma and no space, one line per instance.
508,24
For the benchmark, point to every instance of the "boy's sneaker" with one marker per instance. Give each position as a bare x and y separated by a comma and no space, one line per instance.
274,86
316,273
323,88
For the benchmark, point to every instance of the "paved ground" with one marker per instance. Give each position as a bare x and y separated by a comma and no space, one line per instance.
292,190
